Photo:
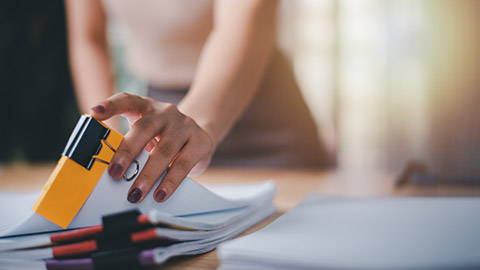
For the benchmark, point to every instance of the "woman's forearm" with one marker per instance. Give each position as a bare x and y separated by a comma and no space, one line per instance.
88,48
231,65
91,73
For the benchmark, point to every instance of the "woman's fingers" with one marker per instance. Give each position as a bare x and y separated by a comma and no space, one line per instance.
142,131
121,103
175,140
140,134
190,155
160,157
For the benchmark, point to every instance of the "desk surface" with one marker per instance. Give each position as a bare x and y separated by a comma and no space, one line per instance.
293,186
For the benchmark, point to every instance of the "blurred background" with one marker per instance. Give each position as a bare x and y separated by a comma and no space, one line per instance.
37,104
389,82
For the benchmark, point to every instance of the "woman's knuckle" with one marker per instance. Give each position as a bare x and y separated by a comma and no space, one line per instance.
166,150
108,103
149,100
173,112
141,125
188,121
126,153
147,176
124,95
148,125
182,166
170,183
147,104
169,107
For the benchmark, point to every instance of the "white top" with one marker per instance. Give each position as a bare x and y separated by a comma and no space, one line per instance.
164,37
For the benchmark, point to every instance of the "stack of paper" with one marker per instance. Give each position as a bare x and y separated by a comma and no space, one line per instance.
325,232
81,194
194,220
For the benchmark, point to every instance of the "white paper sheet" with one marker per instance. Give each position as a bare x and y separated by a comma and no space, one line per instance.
356,234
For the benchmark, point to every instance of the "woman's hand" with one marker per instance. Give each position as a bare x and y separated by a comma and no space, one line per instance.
175,142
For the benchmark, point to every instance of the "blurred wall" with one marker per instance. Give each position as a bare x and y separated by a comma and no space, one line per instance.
399,78
454,90
433,89
409,87
37,104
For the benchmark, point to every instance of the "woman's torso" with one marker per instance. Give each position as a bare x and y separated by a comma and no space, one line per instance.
164,37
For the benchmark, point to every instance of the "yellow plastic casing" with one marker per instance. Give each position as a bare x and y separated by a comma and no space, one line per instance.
70,185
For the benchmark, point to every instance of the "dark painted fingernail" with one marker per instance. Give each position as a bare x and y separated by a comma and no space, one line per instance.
135,195
160,195
116,170
99,109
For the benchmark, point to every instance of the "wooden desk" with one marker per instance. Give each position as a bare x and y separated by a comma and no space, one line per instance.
293,186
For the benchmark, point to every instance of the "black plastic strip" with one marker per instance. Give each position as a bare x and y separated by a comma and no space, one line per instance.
126,258
121,222
111,242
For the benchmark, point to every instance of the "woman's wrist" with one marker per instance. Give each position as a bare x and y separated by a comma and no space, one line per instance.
202,119
211,129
